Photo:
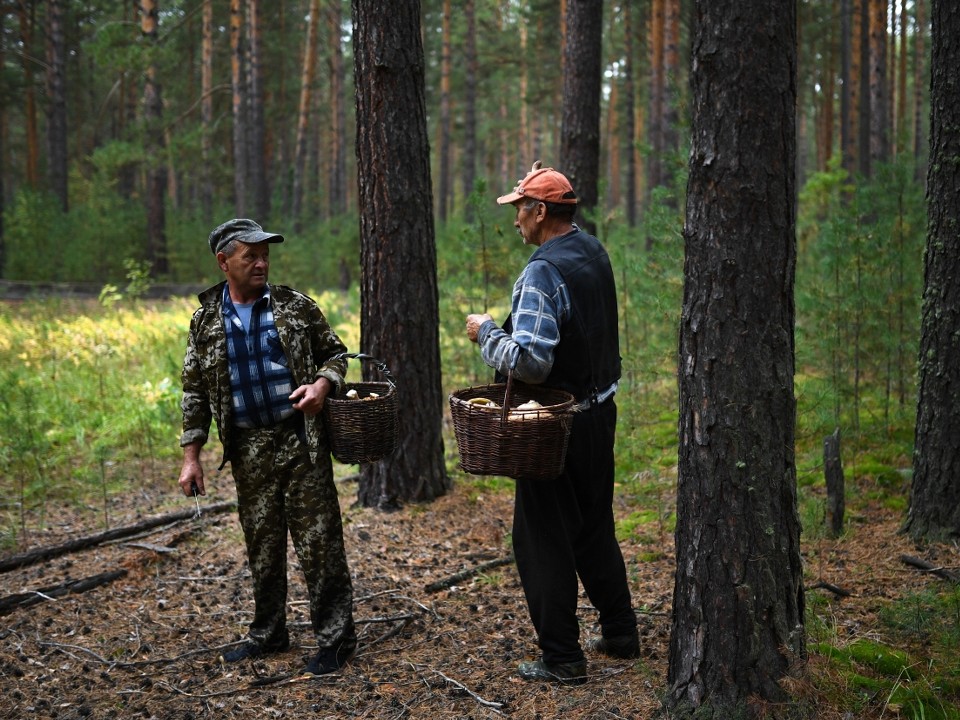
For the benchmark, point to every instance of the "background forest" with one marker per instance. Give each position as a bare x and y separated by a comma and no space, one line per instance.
129,128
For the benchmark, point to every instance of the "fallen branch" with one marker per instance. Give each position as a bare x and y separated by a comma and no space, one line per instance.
25,599
930,568
40,554
468,573
495,706
836,590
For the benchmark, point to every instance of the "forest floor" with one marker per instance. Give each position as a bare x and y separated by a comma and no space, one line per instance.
147,645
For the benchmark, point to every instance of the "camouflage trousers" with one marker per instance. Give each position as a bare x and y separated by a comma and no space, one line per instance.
280,489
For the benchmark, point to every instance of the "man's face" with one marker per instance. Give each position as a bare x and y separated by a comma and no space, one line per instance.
527,222
246,269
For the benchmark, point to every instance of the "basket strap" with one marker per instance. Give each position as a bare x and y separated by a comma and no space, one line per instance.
380,365
506,397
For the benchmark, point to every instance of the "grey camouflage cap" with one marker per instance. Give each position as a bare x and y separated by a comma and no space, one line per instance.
240,229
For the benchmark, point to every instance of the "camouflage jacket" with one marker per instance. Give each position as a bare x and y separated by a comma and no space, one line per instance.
308,341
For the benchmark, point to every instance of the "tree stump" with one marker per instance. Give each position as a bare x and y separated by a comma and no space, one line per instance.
833,472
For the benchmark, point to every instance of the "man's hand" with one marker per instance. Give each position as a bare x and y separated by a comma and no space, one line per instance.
309,399
192,471
474,321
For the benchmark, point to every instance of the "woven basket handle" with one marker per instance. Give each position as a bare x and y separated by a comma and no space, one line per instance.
504,411
380,364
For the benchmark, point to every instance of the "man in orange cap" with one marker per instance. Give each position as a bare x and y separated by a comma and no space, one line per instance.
563,332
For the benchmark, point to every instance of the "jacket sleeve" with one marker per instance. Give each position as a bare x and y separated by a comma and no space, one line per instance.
308,339
326,345
195,402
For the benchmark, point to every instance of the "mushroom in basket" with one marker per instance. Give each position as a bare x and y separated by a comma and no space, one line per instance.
352,394
483,403
529,410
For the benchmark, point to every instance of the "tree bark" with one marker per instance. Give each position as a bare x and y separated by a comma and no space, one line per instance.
580,127
935,492
399,317
738,599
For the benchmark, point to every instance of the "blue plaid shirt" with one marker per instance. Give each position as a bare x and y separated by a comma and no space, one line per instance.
540,305
260,380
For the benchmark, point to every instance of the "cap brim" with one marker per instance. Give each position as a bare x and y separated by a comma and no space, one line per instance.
509,199
259,237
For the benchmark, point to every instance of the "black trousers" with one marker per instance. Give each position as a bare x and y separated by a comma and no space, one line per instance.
563,529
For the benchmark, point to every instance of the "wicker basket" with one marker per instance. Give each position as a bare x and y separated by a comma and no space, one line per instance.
363,430
523,445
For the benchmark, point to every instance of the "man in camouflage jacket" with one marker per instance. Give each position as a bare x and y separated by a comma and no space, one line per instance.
260,362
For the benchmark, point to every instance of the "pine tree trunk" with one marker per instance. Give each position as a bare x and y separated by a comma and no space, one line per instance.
259,174
206,111
613,149
655,113
935,494
469,158
580,127
444,193
827,120
864,110
919,83
26,11
879,97
4,132
56,104
847,89
238,106
526,127
156,168
629,108
399,316
738,598
671,72
901,122
337,190
127,106
303,116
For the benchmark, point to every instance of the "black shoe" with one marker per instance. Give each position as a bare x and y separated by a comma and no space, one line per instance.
250,650
574,673
328,660
619,646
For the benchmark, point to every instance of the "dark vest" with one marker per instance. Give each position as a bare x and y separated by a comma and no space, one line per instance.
587,359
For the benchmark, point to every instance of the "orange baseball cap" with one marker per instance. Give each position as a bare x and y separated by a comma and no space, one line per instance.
543,184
